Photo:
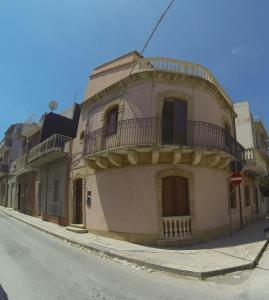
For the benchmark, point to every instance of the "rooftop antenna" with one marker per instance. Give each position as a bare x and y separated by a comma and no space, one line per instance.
53,105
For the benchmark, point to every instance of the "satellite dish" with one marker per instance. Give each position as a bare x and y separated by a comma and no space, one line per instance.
53,105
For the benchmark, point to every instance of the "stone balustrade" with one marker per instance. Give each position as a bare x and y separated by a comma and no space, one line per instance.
181,67
177,227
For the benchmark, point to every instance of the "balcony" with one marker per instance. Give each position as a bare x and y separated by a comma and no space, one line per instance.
5,145
256,163
51,149
3,170
179,67
20,166
149,140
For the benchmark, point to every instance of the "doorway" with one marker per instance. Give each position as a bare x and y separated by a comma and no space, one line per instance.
174,122
175,196
39,198
19,197
256,201
78,219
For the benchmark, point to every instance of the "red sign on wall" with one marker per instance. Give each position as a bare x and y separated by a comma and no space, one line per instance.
236,178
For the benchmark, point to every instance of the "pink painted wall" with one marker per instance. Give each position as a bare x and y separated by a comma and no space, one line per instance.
140,100
118,203
125,200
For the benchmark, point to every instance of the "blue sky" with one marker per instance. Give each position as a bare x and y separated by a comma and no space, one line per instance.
48,48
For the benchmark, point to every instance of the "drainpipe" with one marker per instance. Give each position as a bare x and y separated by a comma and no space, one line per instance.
46,197
239,189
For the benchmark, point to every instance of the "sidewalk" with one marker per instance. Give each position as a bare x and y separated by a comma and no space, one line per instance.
241,251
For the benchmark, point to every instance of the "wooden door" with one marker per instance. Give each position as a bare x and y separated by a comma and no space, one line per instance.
78,190
174,122
175,197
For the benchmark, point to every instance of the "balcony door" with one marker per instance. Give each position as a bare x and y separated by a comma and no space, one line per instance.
175,196
174,122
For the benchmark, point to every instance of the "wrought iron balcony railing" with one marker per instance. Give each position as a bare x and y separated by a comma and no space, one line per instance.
55,142
154,131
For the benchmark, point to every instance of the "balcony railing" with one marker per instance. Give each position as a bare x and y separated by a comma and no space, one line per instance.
153,131
181,67
55,142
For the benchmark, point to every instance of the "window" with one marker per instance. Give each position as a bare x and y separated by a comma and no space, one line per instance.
247,196
232,196
174,122
111,121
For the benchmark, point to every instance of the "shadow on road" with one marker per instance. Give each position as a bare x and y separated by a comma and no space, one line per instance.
3,294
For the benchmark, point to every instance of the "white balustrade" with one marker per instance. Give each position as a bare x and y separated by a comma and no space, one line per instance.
55,142
177,227
177,66
249,154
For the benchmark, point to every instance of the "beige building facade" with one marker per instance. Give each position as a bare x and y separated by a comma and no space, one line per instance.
151,161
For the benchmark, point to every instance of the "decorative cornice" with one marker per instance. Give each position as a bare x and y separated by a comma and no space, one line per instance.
188,80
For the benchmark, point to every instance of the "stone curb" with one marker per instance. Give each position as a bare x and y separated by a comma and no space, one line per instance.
100,249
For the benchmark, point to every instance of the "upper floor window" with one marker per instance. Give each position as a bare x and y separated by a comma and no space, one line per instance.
111,118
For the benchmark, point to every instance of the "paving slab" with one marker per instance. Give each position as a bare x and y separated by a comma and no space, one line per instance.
240,251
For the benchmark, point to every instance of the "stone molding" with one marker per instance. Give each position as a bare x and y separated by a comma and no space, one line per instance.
116,102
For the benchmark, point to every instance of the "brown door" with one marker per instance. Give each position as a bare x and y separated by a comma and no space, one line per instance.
174,122
175,197
78,191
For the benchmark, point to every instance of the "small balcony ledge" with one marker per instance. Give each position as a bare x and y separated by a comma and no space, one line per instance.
256,163
20,166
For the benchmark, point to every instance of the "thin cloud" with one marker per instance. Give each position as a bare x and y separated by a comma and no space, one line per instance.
238,50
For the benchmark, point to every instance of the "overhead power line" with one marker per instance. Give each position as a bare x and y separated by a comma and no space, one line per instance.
154,29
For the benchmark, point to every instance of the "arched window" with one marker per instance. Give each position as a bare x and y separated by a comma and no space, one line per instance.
111,123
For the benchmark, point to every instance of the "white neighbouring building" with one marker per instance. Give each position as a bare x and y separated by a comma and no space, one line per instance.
252,134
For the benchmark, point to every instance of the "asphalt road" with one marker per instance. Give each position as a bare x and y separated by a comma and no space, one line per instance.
35,265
